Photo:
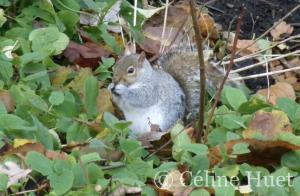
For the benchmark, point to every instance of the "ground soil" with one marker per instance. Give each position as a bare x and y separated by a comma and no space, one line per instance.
259,14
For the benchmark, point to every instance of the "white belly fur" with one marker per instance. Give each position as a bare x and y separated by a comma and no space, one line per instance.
140,118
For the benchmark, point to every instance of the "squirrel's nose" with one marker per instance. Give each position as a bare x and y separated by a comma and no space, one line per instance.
111,87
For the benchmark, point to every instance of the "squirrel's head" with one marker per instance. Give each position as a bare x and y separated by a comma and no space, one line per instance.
129,69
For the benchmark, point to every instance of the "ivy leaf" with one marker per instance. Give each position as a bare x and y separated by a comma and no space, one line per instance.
296,184
56,98
48,39
91,157
39,163
13,122
91,91
291,160
94,172
234,97
109,40
240,148
2,17
61,182
3,182
198,149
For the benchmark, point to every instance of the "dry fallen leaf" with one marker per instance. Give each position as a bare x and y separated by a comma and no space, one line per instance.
268,124
281,31
244,43
278,90
262,153
86,55
61,75
104,102
174,182
7,100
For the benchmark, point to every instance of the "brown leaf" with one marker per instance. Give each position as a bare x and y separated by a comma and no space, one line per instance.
268,124
86,55
208,26
174,182
104,102
244,43
282,30
37,147
7,100
263,153
278,90
61,75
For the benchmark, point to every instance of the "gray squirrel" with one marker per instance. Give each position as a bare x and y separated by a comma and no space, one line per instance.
151,95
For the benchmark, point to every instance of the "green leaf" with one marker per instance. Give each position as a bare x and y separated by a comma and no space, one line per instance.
198,149
252,106
61,182
70,20
2,108
229,119
39,163
43,135
217,136
235,97
290,107
56,98
36,101
131,148
291,160
240,148
77,133
48,39
2,17
94,173
109,39
13,122
148,191
5,3
223,187
296,184
199,192
90,157
91,91
3,182
6,71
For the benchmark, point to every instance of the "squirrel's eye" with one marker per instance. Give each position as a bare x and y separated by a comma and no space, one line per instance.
130,70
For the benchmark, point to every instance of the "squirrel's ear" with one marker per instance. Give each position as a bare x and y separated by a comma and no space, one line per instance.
142,57
129,49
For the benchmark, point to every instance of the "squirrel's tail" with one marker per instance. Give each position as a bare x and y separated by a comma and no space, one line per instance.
182,63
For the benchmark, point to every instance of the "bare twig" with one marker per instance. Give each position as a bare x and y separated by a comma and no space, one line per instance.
164,26
218,94
258,53
134,20
265,74
262,63
199,41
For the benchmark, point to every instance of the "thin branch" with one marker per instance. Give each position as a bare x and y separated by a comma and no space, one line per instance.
264,74
262,63
199,41
258,53
218,94
164,26
134,20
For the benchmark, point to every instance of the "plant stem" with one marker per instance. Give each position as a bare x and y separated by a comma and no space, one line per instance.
199,41
218,94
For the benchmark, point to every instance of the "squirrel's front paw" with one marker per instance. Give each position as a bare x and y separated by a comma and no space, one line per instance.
117,89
